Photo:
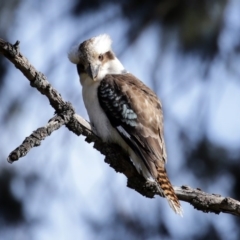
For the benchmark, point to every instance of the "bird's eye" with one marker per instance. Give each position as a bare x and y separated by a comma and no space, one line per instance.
100,57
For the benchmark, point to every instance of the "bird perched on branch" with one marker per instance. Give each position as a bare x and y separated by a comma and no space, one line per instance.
123,110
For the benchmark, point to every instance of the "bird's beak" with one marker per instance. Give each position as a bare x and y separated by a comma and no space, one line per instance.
92,71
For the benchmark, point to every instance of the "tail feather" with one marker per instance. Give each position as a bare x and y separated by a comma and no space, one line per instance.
166,189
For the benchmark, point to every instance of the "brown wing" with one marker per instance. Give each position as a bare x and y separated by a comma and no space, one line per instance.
136,112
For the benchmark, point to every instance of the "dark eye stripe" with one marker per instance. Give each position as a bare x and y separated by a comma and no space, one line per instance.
109,55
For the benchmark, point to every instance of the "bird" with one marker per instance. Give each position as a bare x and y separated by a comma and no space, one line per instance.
123,110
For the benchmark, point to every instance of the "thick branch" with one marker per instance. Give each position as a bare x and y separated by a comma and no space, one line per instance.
115,156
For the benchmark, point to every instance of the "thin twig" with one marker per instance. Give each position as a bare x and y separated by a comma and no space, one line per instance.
34,140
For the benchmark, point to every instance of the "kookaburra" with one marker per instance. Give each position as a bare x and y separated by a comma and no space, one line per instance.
123,110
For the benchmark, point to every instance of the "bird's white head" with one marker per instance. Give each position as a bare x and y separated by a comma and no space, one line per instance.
95,59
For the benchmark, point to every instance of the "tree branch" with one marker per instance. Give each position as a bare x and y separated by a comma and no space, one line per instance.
114,155
34,140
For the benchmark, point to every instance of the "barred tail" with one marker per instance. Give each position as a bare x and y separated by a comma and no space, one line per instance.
167,190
